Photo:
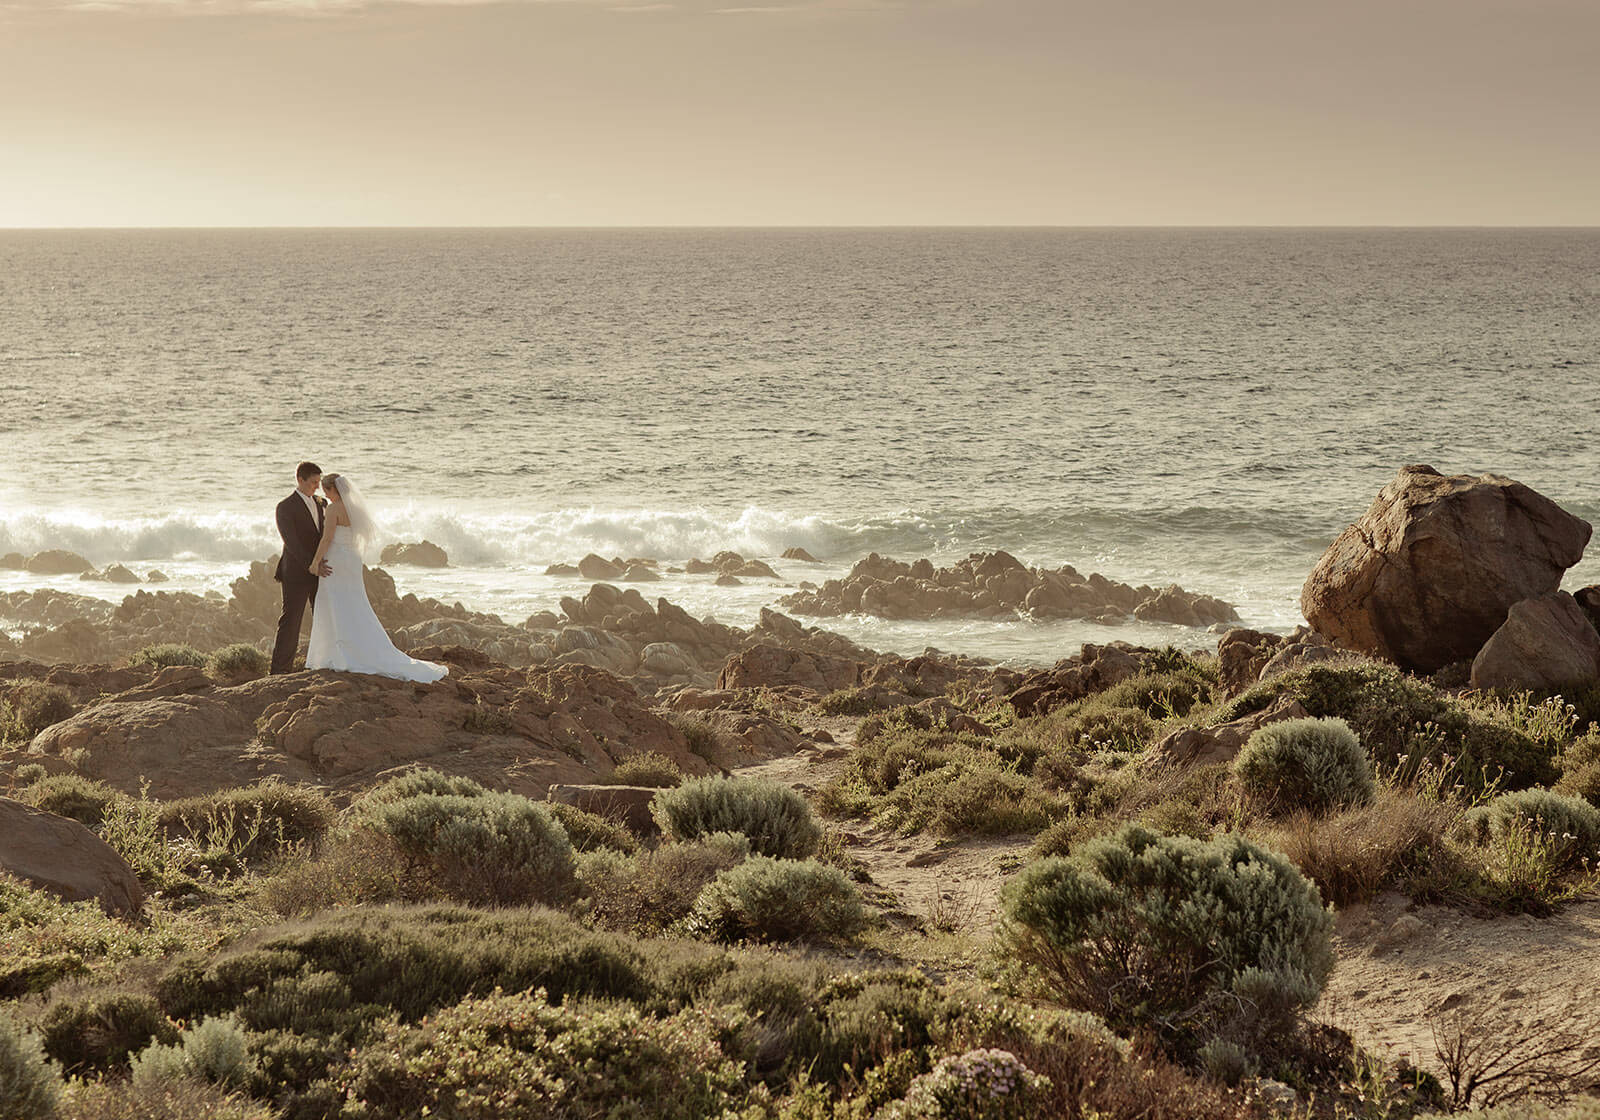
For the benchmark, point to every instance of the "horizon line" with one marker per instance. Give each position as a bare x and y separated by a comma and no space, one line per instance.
796,227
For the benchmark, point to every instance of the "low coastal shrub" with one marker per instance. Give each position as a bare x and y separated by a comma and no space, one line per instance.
1580,768
646,893
184,1100
1354,854
588,831
978,1085
1313,765
252,822
1567,827
216,1051
30,1087
237,663
100,1032
418,783
31,707
648,768
776,819
167,654
704,736
766,899
488,848
518,1056
1407,725
70,795
1183,939
854,702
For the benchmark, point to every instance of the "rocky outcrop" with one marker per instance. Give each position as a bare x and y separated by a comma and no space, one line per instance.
801,555
730,564
997,584
1433,567
116,573
65,858
1545,643
1589,599
57,562
521,730
423,554
767,666
1242,654
1200,746
1094,669
627,805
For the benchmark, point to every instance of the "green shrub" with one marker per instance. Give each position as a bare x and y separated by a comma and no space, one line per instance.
1316,765
854,702
775,818
1568,826
101,1032
645,893
1580,767
168,654
69,795
516,1057
1160,695
1187,939
1405,724
588,831
253,822
977,1085
32,707
30,1087
236,663
492,848
766,899
420,782
180,1100
705,737
647,768
216,1051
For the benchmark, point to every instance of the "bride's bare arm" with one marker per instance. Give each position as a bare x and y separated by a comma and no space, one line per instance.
329,524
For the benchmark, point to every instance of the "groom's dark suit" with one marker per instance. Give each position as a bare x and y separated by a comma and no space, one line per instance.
301,534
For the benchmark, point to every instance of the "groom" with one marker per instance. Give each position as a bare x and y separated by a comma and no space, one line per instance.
300,526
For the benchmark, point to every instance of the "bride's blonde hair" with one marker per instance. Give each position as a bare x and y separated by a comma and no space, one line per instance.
331,481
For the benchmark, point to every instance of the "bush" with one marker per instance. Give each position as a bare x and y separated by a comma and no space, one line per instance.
646,893
101,1032
766,899
490,848
648,768
30,1087
69,795
1405,724
1569,826
705,737
1315,765
1184,938
1580,768
31,708
183,1100
775,818
516,1057
216,1051
168,654
236,663
417,783
588,831
1354,854
977,1085
252,822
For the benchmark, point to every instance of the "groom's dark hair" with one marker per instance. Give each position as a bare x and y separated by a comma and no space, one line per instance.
306,470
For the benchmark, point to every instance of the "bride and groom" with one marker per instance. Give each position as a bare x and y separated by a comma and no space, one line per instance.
325,540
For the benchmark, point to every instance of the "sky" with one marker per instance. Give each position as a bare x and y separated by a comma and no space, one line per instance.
798,112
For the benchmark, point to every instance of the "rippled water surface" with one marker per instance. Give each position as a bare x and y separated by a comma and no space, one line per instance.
1206,407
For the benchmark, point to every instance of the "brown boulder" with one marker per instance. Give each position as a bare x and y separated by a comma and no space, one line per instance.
63,857
1095,669
1241,655
1546,643
58,562
1431,570
627,805
767,666
598,567
1200,746
423,554
801,555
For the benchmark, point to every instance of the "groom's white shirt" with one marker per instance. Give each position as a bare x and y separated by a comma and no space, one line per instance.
311,504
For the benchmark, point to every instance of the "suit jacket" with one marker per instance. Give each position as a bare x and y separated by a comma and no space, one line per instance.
300,534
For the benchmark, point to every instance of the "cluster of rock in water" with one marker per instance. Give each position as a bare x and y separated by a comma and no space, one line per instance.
997,585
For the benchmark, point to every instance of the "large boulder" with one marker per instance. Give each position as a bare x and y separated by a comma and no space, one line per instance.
66,859
768,666
1546,643
58,562
1433,567
423,554
1203,746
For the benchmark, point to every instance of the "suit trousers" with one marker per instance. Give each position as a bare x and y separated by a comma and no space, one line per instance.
297,594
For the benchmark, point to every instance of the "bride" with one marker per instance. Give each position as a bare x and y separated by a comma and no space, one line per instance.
345,634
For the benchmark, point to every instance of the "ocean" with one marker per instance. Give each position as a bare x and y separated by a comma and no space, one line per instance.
1206,407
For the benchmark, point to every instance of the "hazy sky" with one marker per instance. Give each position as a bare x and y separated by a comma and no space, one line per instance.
806,112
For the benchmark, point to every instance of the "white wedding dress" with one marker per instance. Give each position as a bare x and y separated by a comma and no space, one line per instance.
345,633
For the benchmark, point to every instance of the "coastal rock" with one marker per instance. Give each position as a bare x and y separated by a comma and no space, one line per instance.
1242,654
801,555
639,573
627,805
728,579
1303,647
1200,746
755,569
1589,599
116,573
561,570
1433,567
1545,643
775,666
423,554
13,562
65,858
998,585
1094,669
156,575
58,562
597,567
